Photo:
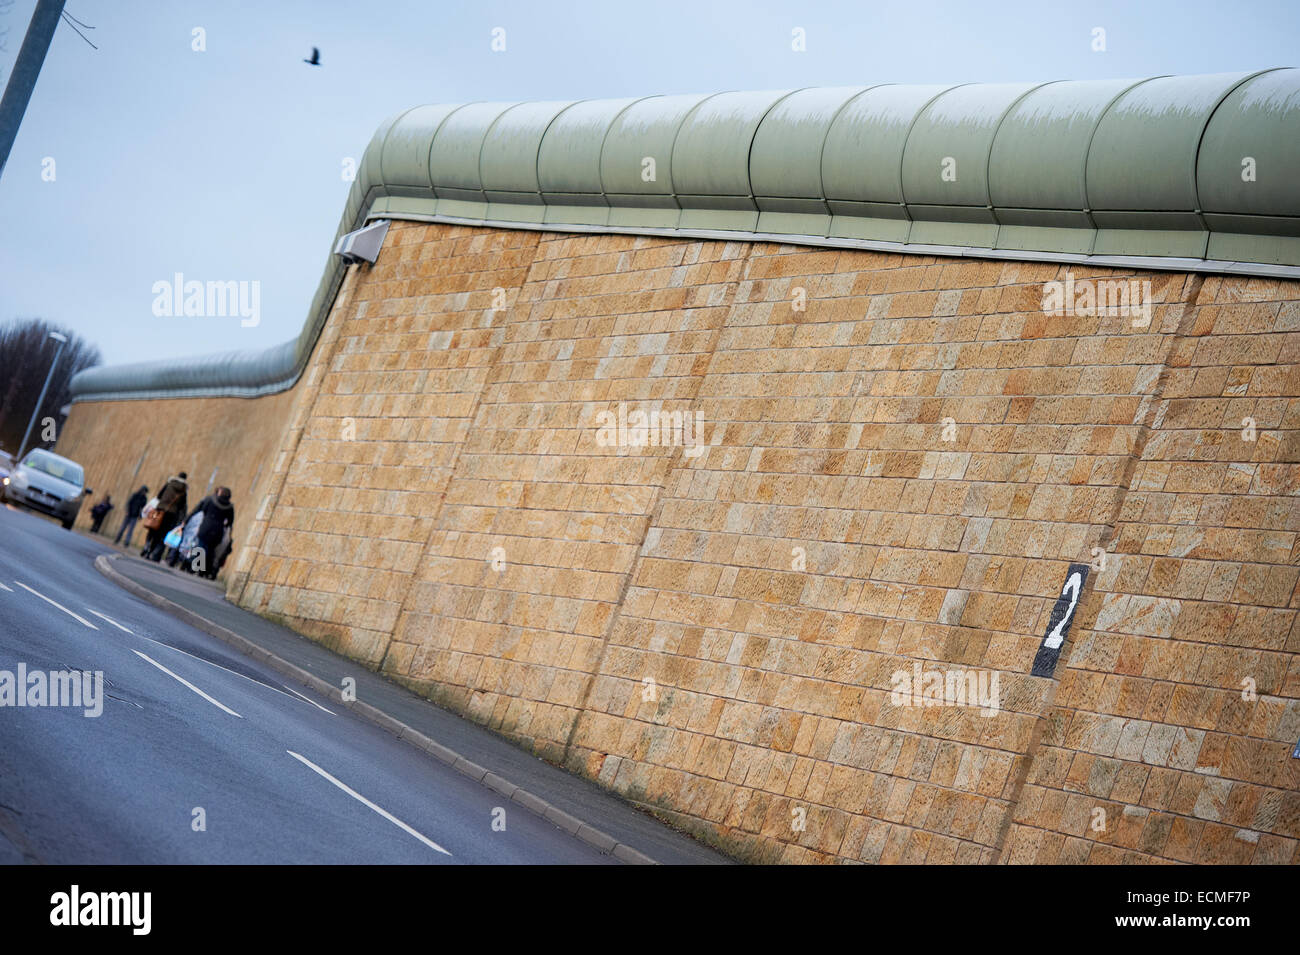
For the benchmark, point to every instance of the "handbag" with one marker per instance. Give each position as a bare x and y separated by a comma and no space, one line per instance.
151,517
190,535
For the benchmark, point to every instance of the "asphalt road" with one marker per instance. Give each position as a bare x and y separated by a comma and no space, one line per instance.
188,724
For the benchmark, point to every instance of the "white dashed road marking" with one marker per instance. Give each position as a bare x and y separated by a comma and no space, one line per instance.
55,603
242,676
110,620
312,702
366,802
184,682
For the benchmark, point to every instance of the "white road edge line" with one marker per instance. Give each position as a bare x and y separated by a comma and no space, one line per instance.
305,699
103,616
7,590
55,603
184,682
364,801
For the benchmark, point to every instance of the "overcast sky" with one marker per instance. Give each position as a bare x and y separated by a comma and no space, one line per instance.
226,164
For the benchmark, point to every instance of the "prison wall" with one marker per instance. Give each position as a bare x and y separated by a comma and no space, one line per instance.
897,462
123,445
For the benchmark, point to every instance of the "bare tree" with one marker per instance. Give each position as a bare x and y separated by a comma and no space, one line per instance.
26,351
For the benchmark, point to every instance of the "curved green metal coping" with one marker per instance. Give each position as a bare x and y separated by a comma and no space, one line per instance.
1185,173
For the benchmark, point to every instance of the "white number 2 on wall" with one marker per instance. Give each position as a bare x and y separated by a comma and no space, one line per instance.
1072,587
1058,624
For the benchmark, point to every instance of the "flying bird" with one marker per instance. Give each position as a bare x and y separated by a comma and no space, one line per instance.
315,57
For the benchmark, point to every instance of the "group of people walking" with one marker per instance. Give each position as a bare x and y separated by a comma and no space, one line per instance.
204,542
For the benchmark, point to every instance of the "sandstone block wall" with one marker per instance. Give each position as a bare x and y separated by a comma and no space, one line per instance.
531,554
409,354
835,538
902,457
216,441
1177,711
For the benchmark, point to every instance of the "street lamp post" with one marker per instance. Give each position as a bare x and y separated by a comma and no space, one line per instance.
62,340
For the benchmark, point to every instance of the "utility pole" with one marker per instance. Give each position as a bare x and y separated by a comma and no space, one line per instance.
62,340
18,91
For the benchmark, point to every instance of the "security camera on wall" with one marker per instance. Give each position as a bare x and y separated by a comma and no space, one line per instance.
364,244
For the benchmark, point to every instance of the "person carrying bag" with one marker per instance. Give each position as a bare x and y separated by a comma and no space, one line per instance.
166,514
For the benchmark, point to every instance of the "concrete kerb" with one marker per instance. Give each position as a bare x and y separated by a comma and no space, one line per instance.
592,836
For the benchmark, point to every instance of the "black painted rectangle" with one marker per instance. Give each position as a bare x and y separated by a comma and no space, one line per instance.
1058,624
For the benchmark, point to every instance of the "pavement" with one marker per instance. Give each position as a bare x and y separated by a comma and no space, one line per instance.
224,738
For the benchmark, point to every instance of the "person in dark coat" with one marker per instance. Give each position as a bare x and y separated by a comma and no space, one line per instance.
218,515
223,551
134,506
173,503
99,512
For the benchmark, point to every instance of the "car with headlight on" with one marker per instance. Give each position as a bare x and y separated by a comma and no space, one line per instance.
49,483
